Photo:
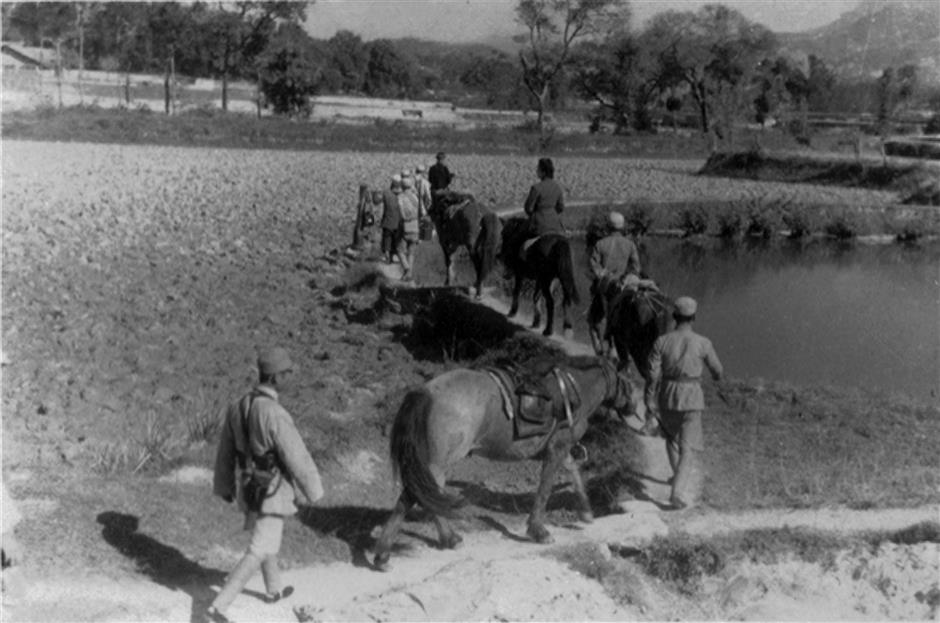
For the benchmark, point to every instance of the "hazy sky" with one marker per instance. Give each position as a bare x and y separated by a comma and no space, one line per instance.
470,20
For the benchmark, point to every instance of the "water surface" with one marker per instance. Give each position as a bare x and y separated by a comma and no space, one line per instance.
816,312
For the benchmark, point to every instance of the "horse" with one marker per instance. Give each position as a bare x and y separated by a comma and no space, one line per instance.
635,319
462,411
460,221
548,258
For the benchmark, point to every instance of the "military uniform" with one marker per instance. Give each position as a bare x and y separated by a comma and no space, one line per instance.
614,257
676,363
544,206
256,427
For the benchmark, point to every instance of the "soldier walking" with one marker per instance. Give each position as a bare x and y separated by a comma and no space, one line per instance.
674,390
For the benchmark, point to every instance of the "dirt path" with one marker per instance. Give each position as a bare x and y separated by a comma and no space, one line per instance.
498,575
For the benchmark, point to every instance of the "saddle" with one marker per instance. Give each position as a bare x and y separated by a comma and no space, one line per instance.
531,242
537,405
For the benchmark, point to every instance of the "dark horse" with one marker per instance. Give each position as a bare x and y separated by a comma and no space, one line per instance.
462,411
548,258
462,222
636,318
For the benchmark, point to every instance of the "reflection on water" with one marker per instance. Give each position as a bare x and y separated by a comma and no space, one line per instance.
814,312
808,312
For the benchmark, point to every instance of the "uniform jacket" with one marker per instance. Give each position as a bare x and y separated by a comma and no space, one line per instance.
544,206
613,257
439,176
270,426
391,215
676,365
423,189
408,199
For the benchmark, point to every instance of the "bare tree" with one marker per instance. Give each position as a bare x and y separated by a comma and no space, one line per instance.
553,27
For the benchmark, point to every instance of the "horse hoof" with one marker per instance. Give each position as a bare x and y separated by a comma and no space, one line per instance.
453,542
380,562
569,333
546,332
586,517
540,535
511,313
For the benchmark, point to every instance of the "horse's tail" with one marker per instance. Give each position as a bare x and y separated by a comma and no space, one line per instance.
566,272
490,235
410,455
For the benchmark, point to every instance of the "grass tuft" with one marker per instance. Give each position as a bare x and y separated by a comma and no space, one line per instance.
693,220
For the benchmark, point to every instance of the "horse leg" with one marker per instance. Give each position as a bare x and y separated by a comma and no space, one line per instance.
566,318
549,308
449,539
556,452
448,276
585,513
536,309
383,546
516,291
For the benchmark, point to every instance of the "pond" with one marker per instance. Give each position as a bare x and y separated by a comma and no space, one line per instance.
807,312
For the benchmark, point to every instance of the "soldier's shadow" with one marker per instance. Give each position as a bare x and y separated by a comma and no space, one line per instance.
163,564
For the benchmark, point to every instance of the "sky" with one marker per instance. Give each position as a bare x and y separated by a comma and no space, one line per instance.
475,20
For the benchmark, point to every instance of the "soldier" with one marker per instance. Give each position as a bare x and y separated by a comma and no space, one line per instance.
260,440
613,258
674,391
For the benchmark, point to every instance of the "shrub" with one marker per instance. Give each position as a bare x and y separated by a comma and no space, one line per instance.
800,222
762,221
682,560
639,219
693,220
933,124
730,222
841,225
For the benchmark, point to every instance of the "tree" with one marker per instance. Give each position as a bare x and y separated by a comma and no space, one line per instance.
238,32
289,71
497,77
348,62
388,74
714,52
820,83
782,87
620,75
553,27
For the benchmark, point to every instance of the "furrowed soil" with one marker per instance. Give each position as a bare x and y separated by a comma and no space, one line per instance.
138,284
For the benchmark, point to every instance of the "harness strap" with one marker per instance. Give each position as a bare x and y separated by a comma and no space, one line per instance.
560,378
504,391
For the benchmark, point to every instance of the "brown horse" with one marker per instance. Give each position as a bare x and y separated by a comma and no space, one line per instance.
461,221
462,411
636,318
547,259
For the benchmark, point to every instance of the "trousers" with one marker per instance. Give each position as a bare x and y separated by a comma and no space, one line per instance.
685,444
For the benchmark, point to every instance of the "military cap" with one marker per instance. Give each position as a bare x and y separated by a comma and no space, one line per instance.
686,306
273,361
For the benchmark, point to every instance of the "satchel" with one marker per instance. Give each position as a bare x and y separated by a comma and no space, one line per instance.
260,471
255,488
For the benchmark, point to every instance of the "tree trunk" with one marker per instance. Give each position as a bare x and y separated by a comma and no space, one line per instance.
167,96
58,69
225,90
80,18
258,94
127,88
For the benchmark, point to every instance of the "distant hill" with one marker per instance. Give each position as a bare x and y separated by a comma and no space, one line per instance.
875,35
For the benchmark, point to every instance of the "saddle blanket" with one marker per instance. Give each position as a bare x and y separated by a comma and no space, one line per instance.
537,410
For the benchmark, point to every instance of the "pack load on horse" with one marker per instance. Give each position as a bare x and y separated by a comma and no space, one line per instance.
638,314
505,414
544,259
461,221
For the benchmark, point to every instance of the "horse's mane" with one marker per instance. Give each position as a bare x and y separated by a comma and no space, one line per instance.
453,197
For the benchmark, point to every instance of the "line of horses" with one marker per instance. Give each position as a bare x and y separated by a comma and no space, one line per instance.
462,411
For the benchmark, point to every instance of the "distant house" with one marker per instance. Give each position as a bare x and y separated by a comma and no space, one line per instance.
22,56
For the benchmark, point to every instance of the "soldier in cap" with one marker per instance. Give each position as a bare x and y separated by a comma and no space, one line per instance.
410,208
439,177
613,259
674,391
423,189
259,437
391,219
